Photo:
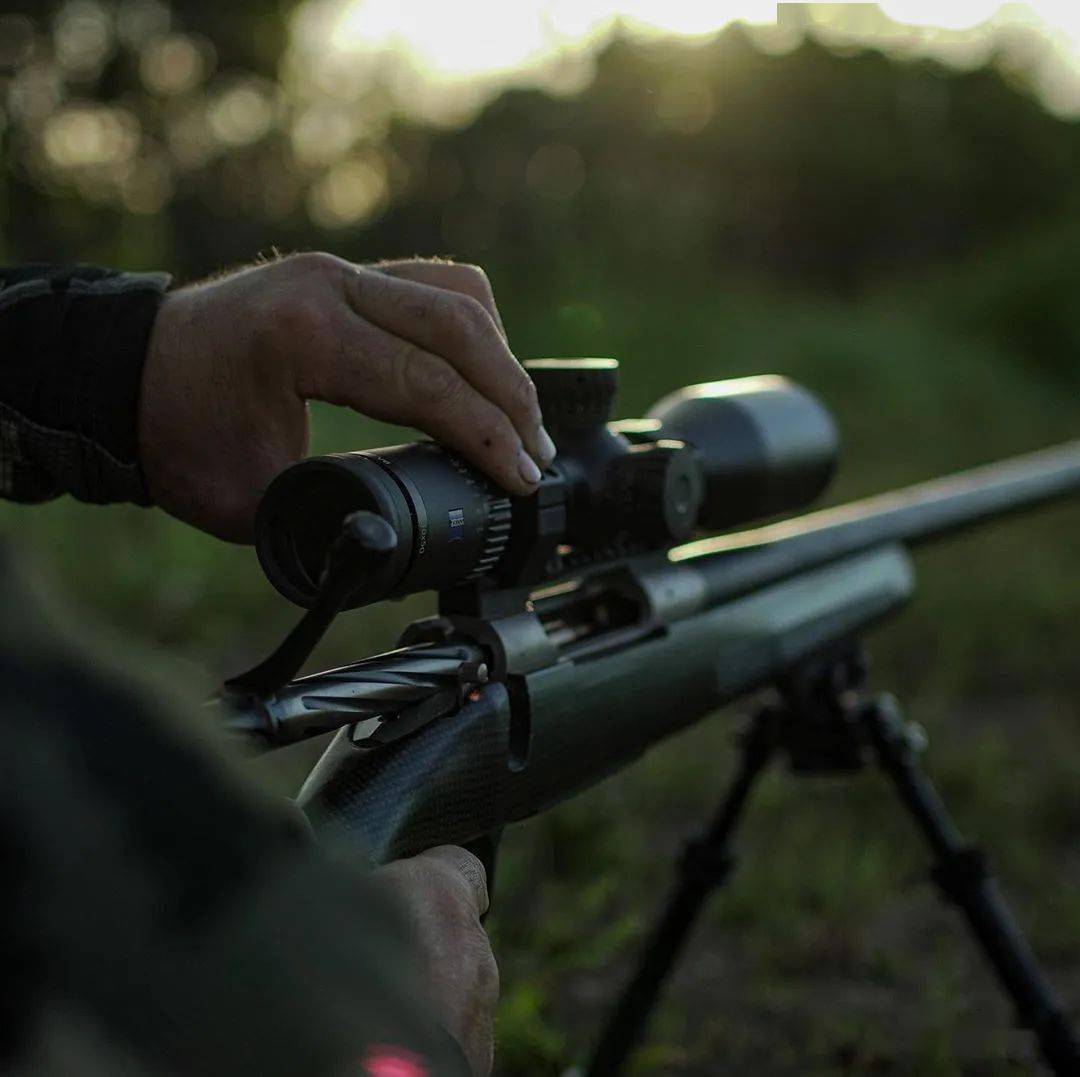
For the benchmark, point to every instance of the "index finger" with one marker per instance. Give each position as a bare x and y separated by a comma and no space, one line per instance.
460,330
460,277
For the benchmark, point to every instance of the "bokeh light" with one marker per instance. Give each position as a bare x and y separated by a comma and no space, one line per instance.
685,105
351,191
537,42
175,63
243,113
86,135
955,15
351,71
83,38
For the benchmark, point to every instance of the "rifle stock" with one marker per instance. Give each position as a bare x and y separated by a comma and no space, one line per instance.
470,773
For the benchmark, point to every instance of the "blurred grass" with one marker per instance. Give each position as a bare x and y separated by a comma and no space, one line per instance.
828,953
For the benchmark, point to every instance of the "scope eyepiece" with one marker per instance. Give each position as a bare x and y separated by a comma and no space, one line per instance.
452,524
706,457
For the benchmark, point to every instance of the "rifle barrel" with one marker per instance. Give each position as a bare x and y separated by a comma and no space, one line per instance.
734,564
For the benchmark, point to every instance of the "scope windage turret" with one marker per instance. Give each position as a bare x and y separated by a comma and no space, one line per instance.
706,457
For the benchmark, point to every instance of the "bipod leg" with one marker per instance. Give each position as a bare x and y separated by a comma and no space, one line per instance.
705,863
962,876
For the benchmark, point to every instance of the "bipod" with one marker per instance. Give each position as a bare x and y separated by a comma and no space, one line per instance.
825,723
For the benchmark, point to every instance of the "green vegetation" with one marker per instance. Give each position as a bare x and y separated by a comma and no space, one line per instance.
828,953
933,307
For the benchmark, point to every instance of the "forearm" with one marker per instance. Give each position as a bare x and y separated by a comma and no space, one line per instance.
72,345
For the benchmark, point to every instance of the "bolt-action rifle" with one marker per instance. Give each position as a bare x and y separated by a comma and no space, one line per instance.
580,626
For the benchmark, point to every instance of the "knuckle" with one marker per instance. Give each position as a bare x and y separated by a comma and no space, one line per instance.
471,269
524,394
312,263
473,278
426,380
455,897
467,318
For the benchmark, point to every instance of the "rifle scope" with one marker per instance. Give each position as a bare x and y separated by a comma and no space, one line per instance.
705,458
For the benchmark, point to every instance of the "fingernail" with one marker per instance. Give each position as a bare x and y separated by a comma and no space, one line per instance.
546,447
527,468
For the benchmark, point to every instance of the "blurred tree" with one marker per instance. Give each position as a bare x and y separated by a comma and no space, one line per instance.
810,167
187,135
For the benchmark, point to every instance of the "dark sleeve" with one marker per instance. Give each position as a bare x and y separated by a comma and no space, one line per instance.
160,913
72,344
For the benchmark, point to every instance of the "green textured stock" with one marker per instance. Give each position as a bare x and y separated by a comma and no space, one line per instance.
457,778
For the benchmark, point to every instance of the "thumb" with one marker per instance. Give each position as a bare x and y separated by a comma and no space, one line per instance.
468,868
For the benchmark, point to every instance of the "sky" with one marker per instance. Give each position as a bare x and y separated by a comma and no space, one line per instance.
443,60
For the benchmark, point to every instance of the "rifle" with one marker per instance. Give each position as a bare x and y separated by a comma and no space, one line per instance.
582,625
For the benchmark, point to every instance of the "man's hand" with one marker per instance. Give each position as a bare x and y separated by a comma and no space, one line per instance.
444,893
232,363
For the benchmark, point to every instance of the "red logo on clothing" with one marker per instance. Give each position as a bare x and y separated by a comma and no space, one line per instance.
384,1061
